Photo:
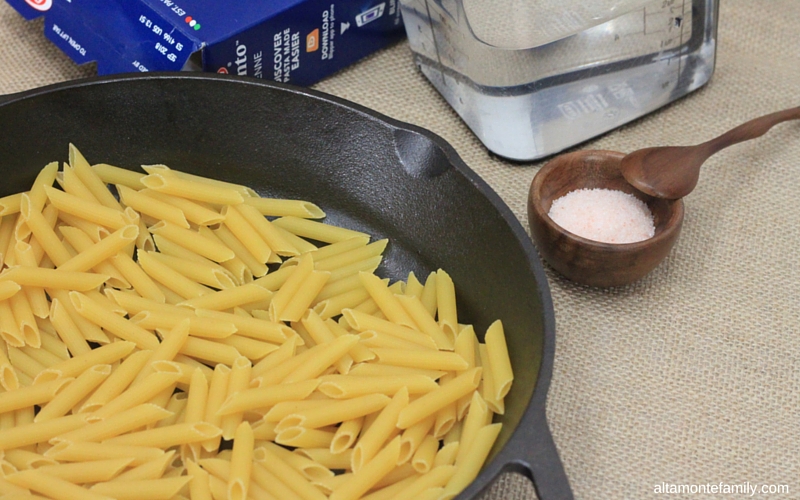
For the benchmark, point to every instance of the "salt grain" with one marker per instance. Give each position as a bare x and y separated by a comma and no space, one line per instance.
604,215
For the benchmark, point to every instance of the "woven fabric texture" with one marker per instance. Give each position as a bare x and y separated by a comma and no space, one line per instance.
691,375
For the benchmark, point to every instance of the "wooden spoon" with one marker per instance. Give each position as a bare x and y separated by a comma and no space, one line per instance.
671,172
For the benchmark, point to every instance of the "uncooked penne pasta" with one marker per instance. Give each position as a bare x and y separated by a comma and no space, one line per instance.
499,362
192,189
151,206
280,208
434,401
317,230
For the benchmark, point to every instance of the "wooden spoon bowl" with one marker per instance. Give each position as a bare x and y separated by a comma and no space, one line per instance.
587,261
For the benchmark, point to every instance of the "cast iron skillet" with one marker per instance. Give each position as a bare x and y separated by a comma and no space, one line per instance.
368,172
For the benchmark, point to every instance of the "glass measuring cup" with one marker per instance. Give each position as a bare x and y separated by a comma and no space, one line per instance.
534,77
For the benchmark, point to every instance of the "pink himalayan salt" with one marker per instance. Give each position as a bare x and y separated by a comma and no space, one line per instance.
604,215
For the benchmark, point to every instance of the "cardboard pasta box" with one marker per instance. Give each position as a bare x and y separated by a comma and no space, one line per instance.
296,41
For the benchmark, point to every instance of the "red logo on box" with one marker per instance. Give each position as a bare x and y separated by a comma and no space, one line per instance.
41,5
223,70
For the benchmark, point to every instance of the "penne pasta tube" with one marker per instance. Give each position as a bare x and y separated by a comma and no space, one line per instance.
101,251
117,381
263,397
34,395
151,206
273,359
379,432
335,412
250,348
241,462
266,458
194,212
414,307
271,483
153,469
351,256
25,319
324,355
238,381
209,350
8,289
200,327
269,232
120,327
436,478
53,487
227,299
193,241
32,433
217,392
466,346
140,393
300,437
423,458
359,353
152,489
341,386
8,376
434,401
280,208
499,362
67,451
10,204
86,472
346,435
283,296
446,303
487,384
372,339
284,408
107,354
317,230
122,422
367,265
71,184
52,278
412,438
386,300
137,277
327,459
335,305
75,392
429,294
43,232
192,189
90,331
253,264
340,287
199,488
362,322
302,246
23,459
468,469
426,359
110,174
204,272
165,437
376,370
368,476
91,180
196,403
248,326
93,212
24,363
170,278
93,232
477,417
246,234
447,454
446,417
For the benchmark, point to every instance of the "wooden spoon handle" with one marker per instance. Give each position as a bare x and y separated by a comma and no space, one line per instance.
752,129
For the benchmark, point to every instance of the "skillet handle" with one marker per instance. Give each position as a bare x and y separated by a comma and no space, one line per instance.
539,461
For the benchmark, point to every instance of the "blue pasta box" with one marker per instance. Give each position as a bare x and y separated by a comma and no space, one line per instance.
294,41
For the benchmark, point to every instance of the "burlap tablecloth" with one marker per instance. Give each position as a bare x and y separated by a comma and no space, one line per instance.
692,375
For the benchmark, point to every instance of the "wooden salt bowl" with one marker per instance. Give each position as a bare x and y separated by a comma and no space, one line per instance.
587,261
